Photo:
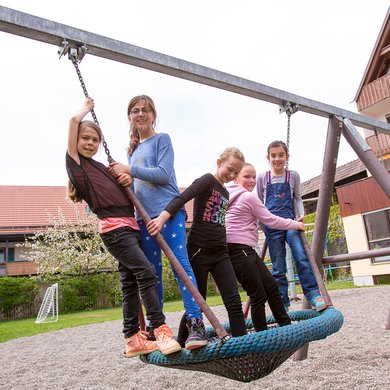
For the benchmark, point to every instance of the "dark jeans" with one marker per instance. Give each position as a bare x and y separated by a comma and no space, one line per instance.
260,285
137,275
217,262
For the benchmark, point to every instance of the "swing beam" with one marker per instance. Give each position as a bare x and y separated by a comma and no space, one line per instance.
47,31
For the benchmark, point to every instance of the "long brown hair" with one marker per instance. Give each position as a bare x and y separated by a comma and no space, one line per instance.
276,144
134,135
73,195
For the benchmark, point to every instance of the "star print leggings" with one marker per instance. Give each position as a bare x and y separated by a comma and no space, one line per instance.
174,233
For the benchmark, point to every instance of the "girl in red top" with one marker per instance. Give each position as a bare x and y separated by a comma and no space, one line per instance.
92,182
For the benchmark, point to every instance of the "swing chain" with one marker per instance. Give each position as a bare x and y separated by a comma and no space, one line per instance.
76,55
288,129
379,147
289,108
75,63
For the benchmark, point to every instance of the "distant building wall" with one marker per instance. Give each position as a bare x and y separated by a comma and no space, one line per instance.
363,271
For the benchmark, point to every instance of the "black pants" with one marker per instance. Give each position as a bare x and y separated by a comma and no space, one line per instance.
204,261
137,275
260,285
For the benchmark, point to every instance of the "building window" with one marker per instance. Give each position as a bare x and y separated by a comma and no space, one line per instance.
377,225
388,118
11,254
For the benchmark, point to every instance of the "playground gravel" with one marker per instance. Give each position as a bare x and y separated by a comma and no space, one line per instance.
89,357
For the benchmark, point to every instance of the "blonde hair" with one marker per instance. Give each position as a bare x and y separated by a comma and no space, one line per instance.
73,195
232,152
246,164
134,135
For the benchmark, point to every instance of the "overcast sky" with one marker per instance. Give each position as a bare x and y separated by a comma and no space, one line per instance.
318,50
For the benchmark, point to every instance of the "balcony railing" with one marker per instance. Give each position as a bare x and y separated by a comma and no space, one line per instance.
384,144
374,92
15,268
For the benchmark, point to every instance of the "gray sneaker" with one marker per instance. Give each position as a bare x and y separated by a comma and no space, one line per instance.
197,336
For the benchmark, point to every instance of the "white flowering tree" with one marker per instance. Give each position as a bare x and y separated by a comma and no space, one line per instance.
69,248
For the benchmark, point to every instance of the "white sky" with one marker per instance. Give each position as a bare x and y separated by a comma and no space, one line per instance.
318,50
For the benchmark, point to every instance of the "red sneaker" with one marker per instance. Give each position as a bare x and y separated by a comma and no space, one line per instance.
165,340
139,344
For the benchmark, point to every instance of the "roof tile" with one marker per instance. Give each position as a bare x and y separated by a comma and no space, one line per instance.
344,171
23,207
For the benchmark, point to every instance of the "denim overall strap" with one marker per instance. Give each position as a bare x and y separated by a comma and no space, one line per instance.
278,197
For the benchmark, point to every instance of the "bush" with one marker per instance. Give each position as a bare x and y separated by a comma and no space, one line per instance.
15,291
76,293
88,292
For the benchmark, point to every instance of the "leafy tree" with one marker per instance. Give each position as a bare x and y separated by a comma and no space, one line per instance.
69,248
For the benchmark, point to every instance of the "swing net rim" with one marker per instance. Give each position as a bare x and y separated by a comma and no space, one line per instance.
256,354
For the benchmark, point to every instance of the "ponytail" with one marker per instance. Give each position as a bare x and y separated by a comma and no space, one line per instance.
73,195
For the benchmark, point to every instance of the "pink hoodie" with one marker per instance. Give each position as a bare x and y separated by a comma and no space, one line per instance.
244,213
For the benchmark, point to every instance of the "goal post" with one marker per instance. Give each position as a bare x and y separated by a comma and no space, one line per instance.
48,311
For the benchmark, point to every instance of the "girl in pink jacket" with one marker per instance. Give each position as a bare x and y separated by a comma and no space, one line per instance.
244,213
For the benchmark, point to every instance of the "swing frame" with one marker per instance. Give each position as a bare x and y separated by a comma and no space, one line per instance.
340,121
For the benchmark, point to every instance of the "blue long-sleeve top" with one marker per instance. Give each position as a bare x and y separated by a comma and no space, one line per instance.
152,167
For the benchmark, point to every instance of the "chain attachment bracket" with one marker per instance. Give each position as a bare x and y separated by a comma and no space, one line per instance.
289,108
75,53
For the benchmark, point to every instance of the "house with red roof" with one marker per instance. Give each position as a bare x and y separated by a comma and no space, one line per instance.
364,207
25,210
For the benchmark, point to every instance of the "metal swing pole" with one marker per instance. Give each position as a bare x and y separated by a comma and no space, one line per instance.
315,254
75,55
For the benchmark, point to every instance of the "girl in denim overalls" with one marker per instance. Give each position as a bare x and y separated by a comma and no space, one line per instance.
280,191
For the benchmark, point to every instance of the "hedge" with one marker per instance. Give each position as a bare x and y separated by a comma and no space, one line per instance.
76,293
16,291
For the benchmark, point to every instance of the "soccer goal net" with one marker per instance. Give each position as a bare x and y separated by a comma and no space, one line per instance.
48,311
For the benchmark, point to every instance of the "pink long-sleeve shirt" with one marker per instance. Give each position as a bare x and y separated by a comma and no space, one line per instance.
244,213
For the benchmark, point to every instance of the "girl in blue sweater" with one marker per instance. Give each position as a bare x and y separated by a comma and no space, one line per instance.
151,165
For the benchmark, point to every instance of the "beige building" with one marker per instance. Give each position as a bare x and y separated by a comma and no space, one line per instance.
365,208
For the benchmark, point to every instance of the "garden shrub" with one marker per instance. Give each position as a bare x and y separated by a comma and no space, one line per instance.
15,291
77,293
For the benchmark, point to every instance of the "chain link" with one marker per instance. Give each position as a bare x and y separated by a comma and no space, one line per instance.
288,112
76,65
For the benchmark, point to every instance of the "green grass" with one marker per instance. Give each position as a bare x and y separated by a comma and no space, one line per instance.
21,328
10,330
